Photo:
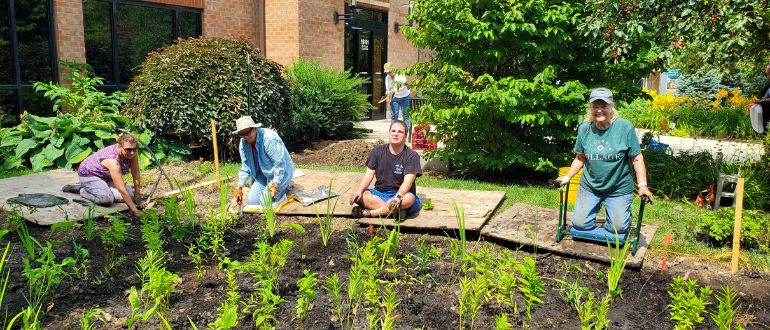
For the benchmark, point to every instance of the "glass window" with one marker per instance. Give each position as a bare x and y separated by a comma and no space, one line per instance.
8,113
26,56
6,57
33,34
189,24
96,20
156,30
123,40
35,102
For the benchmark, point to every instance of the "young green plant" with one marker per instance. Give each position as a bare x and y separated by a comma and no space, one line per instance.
306,297
269,211
618,259
688,302
727,306
325,222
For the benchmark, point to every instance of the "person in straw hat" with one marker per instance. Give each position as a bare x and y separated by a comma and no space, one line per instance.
265,162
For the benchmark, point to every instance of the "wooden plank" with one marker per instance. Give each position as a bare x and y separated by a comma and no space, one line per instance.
51,182
478,205
344,183
521,222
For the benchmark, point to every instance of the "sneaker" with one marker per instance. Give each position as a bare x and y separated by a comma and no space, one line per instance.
401,215
360,212
71,188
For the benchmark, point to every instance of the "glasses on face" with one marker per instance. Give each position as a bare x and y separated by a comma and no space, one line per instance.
130,149
244,133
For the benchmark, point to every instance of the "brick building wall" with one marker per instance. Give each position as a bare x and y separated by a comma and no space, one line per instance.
229,19
68,22
293,28
282,28
401,52
320,38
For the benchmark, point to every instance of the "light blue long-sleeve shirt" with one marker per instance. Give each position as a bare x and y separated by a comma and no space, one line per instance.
275,164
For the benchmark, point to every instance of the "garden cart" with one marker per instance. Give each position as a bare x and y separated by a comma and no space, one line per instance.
598,234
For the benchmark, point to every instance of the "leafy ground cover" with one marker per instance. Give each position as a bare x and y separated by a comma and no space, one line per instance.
213,273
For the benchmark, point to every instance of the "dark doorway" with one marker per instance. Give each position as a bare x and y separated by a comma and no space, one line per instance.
366,44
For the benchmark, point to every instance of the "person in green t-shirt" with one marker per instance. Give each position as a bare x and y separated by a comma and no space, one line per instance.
607,147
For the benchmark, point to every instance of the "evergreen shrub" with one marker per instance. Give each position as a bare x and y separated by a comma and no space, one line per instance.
182,86
327,102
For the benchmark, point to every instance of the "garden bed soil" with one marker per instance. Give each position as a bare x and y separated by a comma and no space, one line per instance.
336,153
431,304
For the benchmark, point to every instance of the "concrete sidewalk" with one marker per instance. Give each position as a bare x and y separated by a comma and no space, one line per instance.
733,151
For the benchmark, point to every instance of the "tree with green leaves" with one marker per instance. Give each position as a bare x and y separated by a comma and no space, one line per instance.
730,35
507,80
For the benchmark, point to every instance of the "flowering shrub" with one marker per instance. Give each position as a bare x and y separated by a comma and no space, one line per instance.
724,115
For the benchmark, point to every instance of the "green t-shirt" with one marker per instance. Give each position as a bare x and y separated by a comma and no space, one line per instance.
607,169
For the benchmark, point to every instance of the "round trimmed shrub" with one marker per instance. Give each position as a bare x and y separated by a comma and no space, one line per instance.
182,86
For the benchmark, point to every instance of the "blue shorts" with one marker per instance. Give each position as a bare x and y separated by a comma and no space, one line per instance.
386,195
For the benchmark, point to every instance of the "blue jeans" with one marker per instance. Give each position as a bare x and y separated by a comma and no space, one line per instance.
258,191
403,104
587,206
386,195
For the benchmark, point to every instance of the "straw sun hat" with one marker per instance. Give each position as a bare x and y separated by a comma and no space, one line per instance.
244,123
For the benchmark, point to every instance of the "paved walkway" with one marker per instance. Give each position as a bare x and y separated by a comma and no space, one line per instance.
732,151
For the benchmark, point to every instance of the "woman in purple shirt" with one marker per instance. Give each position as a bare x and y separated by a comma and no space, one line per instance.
101,174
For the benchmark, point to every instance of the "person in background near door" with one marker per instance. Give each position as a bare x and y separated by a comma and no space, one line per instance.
399,95
101,175
608,147
395,166
265,162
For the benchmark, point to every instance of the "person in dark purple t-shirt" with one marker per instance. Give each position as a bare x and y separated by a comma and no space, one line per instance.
395,166
101,174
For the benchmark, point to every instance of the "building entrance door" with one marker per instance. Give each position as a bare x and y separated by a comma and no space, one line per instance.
366,52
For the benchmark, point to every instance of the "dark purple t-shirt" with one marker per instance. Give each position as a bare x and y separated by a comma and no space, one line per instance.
389,169
92,166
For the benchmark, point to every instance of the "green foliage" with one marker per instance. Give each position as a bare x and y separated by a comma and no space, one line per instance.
325,222
181,86
727,306
688,302
729,35
500,80
44,275
719,225
43,142
618,259
68,138
472,291
113,236
306,297
93,313
327,102
81,97
333,287
152,232
700,85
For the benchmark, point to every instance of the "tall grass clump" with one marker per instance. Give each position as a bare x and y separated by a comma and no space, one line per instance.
327,102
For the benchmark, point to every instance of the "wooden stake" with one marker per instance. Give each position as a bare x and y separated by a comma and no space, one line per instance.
737,227
216,152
